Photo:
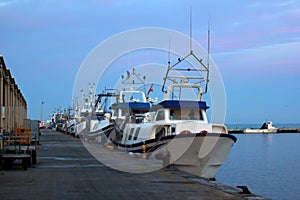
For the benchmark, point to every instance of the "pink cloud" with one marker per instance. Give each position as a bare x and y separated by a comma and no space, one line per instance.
284,66
245,39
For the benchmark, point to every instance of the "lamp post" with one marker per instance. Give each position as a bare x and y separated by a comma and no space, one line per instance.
42,110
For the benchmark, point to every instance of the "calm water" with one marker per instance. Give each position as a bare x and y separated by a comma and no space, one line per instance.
268,164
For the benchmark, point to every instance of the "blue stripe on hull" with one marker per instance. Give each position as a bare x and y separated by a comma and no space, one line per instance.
137,147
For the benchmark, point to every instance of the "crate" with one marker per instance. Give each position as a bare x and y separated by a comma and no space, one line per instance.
18,146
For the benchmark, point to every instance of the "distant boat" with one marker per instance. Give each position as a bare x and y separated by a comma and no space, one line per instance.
99,124
84,111
267,127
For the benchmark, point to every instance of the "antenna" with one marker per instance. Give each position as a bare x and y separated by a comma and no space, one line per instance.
208,40
208,51
173,66
190,29
169,62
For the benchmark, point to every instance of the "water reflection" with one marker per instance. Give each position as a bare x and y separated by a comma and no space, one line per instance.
267,163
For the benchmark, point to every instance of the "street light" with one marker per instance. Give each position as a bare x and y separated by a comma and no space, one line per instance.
42,110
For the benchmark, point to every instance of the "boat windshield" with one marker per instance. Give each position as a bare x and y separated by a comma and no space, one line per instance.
133,96
184,92
186,114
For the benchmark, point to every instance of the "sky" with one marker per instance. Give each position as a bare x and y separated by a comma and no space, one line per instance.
255,45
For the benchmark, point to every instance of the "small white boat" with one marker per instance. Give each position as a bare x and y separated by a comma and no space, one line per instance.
267,127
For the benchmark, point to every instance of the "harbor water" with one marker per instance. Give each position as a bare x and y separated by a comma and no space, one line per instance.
268,164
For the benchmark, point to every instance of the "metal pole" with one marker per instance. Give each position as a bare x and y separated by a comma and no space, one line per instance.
7,105
42,111
1,102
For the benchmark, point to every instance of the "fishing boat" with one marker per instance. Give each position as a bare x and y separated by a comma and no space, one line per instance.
267,127
175,130
99,123
116,108
84,111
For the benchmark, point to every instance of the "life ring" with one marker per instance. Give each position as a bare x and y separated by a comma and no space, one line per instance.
184,132
203,132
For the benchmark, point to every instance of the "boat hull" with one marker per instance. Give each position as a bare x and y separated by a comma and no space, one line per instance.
198,154
80,127
249,130
101,135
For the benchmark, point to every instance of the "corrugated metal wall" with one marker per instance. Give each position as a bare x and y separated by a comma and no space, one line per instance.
13,105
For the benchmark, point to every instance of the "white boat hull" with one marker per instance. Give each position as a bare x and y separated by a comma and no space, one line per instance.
204,156
249,130
198,154
98,136
80,127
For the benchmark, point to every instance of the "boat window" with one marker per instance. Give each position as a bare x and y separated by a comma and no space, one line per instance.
131,96
130,134
186,114
116,113
125,112
184,93
201,115
136,133
175,114
160,115
159,132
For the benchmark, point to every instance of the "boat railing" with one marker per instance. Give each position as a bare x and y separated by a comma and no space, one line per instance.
107,93
201,68
133,81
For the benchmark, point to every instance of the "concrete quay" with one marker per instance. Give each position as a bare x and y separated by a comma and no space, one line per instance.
66,170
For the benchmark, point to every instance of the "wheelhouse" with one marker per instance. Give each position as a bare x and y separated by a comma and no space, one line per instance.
172,110
131,104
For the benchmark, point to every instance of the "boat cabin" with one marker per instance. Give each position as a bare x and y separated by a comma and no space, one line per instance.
170,110
169,117
131,104
135,110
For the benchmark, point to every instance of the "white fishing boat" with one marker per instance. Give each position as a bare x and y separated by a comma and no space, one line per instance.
131,105
99,123
176,130
101,126
267,127
84,111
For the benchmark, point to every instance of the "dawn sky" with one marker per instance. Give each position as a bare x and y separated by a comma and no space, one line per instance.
255,45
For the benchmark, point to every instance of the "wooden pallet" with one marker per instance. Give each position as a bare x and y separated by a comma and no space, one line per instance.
18,147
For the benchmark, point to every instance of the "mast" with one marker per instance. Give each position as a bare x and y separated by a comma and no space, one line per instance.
205,68
191,30
208,53
169,53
